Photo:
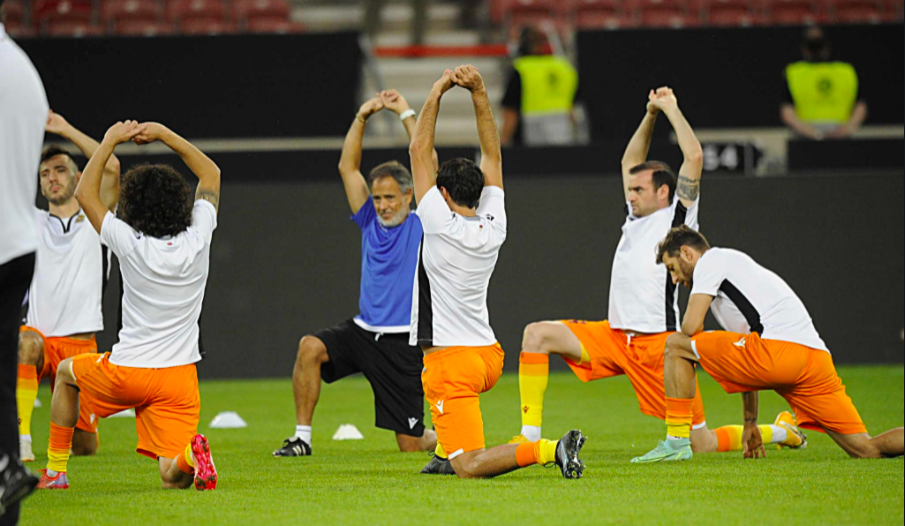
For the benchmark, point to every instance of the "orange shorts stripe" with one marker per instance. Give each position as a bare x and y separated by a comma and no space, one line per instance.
805,377
166,401
640,358
57,349
453,378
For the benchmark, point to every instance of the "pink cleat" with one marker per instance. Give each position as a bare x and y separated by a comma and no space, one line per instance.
205,472
58,482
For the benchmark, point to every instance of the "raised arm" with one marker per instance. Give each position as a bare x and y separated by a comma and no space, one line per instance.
58,125
689,185
396,103
639,146
491,151
350,161
88,192
422,146
205,170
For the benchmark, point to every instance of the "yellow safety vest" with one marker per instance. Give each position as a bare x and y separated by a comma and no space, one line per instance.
823,91
549,84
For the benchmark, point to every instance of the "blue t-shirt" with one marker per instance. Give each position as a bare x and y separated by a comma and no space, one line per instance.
389,257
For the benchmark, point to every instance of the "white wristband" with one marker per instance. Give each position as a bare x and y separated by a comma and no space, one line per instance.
407,114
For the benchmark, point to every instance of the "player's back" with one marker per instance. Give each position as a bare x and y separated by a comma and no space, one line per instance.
457,259
751,298
164,280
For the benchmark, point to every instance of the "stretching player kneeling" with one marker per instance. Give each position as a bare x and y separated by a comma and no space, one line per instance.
464,219
163,244
772,344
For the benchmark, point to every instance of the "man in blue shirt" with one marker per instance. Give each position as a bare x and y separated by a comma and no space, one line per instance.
375,342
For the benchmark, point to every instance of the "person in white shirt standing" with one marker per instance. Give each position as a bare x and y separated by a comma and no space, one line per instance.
64,299
643,304
769,343
163,244
464,219
23,112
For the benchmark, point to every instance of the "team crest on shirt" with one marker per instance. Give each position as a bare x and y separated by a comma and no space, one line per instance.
80,218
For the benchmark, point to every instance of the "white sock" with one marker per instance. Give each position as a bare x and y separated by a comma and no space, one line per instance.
25,438
532,433
51,473
779,434
303,433
670,437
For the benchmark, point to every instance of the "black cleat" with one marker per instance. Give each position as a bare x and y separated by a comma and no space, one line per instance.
567,451
438,466
293,447
16,483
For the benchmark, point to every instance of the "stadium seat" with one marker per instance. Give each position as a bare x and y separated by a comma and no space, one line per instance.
602,20
117,11
272,9
856,11
46,11
667,18
195,9
793,12
142,28
520,13
729,13
207,26
20,31
273,25
14,13
894,7
72,28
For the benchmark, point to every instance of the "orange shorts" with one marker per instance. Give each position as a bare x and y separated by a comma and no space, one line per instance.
166,401
55,351
805,377
614,353
453,378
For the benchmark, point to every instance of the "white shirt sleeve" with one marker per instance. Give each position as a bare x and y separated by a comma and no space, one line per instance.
434,212
709,274
493,205
116,234
691,217
204,219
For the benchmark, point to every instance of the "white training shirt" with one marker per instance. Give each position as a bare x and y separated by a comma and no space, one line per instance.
71,272
163,288
643,298
458,255
23,114
749,298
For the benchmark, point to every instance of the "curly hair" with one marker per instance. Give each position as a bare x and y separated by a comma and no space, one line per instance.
464,181
155,200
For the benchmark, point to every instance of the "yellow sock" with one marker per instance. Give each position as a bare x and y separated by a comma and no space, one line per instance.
546,452
730,437
26,394
439,451
59,447
678,417
188,457
533,377
585,356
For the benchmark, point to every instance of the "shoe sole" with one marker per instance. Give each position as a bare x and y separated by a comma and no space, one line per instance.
573,468
205,472
21,494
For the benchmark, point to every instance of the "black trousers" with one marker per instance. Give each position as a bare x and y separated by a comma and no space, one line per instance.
15,277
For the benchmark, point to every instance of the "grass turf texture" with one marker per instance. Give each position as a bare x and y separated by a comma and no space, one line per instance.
368,482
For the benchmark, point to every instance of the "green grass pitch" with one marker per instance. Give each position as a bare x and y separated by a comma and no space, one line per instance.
368,483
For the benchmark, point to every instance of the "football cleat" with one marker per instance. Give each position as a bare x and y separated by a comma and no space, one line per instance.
567,451
795,439
25,452
293,447
667,451
205,472
16,483
438,466
60,481
520,440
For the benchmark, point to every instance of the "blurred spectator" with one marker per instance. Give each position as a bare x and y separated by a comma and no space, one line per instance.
822,96
540,96
373,9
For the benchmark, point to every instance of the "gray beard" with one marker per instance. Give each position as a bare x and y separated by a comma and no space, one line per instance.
397,219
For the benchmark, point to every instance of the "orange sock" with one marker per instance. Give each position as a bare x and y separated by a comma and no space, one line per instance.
729,438
184,462
59,447
678,417
542,452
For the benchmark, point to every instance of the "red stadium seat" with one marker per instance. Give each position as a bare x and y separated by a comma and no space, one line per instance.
602,20
894,7
46,11
14,13
207,26
20,31
272,9
115,11
729,13
196,9
667,18
273,25
856,11
794,12
72,28
521,13
576,7
143,28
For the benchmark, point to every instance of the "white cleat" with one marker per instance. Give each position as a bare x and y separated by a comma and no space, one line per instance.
25,452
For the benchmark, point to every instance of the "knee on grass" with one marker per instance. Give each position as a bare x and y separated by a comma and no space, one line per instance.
84,444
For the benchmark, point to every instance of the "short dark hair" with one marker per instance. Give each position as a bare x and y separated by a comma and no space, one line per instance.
464,181
395,170
155,200
681,236
52,151
662,175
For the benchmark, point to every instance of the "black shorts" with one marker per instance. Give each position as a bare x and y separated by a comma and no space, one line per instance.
391,365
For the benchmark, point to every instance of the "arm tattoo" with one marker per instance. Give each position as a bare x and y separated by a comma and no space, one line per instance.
209,195
688,188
